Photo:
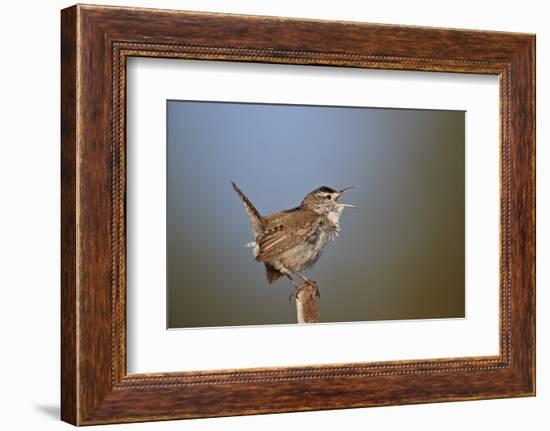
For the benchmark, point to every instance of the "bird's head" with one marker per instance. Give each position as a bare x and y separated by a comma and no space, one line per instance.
324,200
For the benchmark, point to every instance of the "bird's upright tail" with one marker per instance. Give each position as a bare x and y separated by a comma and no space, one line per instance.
254,217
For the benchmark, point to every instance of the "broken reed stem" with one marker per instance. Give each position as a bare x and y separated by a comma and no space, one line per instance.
307,305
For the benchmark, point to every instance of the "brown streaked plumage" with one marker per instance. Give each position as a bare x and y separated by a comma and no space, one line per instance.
289,241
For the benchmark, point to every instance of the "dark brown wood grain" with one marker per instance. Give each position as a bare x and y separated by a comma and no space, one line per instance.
95,42
68,217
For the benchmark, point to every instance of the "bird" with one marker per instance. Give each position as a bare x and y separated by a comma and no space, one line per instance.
289,241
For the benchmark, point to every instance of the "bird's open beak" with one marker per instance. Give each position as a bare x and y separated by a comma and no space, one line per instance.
340,193
347,188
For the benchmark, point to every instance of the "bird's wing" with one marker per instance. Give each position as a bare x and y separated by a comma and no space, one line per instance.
284,233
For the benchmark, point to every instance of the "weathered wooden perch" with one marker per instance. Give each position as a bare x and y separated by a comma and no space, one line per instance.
307,304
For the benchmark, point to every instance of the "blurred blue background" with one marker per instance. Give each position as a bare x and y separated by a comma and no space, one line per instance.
400,255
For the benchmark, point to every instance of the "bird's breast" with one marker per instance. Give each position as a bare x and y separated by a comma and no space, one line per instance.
334,217
308,252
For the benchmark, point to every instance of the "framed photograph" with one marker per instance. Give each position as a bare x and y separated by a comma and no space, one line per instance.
264,214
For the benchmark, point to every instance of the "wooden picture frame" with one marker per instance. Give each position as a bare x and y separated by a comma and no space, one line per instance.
95,43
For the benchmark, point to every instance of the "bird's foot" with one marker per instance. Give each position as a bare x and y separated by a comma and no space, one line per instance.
296,293
314,285
298,290
293,295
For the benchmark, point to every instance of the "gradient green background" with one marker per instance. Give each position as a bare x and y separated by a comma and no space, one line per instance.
400,255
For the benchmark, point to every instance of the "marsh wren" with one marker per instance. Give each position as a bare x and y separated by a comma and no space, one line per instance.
289,241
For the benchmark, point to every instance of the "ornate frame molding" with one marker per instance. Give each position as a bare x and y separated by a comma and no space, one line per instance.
96,41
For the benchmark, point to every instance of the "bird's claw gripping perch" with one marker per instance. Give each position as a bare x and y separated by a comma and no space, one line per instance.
298,289
314,285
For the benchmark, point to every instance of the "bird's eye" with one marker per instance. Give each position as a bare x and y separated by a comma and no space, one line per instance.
329,197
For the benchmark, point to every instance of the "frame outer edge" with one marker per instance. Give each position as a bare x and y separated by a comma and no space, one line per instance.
87,396
531,63
69,304
533,54
523,217
532,101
